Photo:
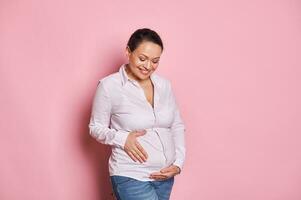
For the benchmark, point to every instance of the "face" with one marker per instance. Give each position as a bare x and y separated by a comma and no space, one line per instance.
144,60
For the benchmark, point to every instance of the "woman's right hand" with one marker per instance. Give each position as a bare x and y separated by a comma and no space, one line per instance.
133,148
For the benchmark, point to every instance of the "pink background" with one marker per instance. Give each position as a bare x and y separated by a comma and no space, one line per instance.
235,67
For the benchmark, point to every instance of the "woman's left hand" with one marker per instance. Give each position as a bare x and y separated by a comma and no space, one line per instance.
165,173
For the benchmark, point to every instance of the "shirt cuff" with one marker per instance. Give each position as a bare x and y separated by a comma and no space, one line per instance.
180,164
120,138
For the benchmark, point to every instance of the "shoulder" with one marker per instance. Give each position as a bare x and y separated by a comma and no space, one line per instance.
110,81
162,81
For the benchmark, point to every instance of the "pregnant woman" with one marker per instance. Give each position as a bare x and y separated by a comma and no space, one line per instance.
135,112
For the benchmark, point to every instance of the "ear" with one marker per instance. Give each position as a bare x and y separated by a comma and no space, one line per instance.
127,52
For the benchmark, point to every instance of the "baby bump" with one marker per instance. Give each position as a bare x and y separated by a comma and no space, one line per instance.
168,144
158,146
151,143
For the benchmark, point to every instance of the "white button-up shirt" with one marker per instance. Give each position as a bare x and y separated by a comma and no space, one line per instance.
120,106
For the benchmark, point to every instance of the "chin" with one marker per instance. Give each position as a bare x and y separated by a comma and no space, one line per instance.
142,76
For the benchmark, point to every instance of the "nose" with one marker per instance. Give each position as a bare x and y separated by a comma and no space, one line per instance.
148,65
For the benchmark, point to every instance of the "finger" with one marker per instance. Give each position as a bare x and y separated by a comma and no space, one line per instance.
137,156
135,153
141,149
169,174
132,156
140,133
159,177
139,153
167,169
156,173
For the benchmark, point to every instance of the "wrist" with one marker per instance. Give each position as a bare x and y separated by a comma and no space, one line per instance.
178,169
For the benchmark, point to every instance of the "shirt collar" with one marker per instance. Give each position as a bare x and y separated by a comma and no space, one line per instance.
123,74
125,78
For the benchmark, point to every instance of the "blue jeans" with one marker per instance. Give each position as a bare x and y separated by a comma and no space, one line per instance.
126,188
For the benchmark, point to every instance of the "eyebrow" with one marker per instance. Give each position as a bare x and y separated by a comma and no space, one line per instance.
147,56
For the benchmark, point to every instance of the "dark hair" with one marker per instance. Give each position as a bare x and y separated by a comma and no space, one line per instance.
144,34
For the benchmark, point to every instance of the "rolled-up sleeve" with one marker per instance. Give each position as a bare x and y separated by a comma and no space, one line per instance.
178,131
100,120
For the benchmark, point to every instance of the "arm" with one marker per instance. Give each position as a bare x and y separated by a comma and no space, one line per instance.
178,131
100,120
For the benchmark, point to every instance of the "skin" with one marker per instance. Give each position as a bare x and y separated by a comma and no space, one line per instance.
143,61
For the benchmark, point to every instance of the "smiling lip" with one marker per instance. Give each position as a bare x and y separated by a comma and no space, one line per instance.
145,72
